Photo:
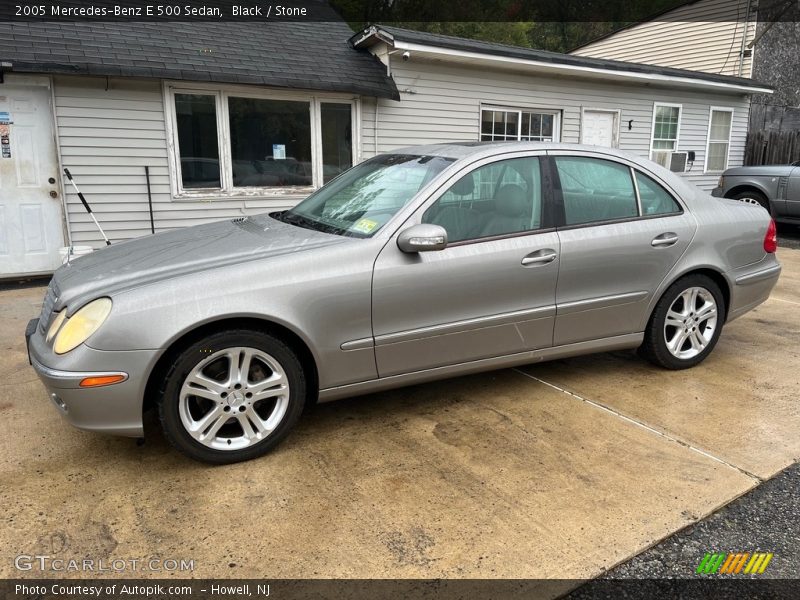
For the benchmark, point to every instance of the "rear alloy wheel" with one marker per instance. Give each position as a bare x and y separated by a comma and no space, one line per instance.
753,197
686,323
232,396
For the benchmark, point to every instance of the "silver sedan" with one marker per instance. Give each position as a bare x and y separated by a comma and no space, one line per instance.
426,263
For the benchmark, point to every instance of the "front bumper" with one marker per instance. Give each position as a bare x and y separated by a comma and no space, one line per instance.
114,409
718,192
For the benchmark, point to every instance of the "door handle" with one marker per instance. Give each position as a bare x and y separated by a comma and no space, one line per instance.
540,257
665,239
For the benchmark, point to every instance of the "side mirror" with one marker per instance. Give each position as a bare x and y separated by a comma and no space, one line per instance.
422,238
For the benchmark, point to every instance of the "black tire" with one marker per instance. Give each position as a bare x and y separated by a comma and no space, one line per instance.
654,348
192,356
754,195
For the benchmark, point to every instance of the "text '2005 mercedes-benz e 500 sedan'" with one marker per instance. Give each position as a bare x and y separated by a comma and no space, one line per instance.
429,262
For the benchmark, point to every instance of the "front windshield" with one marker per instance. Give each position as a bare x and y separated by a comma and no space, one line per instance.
360,201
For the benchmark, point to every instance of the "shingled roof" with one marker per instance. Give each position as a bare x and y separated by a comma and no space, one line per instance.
397,36
300,55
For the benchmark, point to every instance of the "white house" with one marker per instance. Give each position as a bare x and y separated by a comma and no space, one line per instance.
172,124
714,36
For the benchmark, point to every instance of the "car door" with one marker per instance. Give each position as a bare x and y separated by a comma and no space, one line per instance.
622,231
490,292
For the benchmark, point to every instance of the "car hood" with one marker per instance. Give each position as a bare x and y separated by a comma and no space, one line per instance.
762,170
166,255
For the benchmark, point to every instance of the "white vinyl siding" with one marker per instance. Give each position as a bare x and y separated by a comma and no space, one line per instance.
441,103
719,136
108,130
702,36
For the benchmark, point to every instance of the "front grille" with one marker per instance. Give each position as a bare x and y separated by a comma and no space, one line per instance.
49,302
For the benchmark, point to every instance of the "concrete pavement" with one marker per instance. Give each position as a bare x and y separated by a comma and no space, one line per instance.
557,470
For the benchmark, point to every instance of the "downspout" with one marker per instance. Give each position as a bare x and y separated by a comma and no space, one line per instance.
375,129
378,102
744,38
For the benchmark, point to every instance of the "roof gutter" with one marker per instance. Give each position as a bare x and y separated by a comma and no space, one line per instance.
565,69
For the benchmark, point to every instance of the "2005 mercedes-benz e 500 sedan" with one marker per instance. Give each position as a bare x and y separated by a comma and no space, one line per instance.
429,262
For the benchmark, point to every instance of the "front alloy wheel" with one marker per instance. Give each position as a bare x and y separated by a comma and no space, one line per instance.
686,323
232,396
234,399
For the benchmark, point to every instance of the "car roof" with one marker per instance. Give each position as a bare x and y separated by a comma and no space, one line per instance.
470,149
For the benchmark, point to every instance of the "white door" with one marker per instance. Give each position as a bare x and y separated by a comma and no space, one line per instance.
599,128
31,227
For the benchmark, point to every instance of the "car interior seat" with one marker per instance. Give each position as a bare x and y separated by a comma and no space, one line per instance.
512,211
459,221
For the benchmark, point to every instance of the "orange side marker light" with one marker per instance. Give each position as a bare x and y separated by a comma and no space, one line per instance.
101,381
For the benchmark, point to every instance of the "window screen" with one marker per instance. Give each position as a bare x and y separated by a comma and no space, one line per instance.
719,138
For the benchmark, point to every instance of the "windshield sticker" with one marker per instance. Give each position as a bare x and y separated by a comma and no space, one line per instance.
365,226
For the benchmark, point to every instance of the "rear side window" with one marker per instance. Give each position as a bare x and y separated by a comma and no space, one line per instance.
595,190
655,199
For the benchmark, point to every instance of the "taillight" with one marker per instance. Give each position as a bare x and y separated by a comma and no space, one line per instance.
771,239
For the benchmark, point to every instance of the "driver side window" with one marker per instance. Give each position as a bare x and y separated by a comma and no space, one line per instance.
497,199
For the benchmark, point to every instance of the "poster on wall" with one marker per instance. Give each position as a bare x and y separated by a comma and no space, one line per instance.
5,134
279,151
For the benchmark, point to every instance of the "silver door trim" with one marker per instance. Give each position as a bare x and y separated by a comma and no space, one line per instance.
465,325
601,302
360,344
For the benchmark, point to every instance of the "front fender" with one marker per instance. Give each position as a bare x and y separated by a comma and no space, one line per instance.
323,303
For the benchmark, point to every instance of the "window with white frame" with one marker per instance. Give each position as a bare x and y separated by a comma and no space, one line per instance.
666,126
229,143
509,124
719,138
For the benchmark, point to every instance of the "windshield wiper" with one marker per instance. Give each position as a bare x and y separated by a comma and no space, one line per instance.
307,223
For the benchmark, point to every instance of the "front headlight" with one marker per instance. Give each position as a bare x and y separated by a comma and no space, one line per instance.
56,325
81,325
721,182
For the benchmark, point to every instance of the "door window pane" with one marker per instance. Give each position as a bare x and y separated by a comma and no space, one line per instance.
270,142
337,139
595,190
654,198
497,199
665,133
719,136
198,148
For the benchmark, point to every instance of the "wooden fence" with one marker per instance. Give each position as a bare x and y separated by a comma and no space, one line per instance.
774,135
772,147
